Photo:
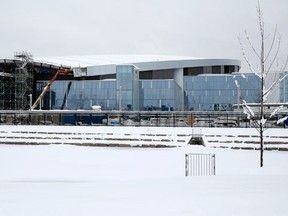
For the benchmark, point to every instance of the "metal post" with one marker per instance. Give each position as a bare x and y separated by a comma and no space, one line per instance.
139,116
157,120
30,101
214,165
60,119
186,165
44,118
174,119
238,97
120,98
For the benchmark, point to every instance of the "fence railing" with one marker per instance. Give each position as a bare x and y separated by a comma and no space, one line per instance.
200,164
130,118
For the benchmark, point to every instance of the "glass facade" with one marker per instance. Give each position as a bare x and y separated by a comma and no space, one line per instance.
219,92
284,89
207,92
82,94
127,83
160,95
140,95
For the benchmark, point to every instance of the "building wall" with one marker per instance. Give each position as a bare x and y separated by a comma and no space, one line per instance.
201,92
219,92
163,87
160,95
83,94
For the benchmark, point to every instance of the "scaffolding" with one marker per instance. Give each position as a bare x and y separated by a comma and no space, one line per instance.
23,80
7,89
16,82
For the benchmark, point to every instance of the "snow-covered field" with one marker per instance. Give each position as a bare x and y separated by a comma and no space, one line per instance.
72,180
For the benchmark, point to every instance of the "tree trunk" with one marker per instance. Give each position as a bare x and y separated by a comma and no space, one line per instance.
262,63
261,145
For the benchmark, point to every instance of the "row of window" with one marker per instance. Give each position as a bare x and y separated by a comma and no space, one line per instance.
228,82
153,93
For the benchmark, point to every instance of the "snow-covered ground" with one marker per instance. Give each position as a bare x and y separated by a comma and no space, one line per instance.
75,180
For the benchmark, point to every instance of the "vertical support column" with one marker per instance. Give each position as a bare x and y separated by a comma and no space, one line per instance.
222,69
179,80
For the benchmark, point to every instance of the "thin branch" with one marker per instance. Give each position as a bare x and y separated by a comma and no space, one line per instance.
272,44
246,58
274,84
251,45
284,65
247,110
282,120
275,56
260,19
275,111
255,124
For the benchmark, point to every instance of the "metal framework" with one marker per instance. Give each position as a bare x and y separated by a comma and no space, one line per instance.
7,90
23,81
16,82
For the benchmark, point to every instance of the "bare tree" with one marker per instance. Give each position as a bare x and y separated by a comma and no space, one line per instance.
270,73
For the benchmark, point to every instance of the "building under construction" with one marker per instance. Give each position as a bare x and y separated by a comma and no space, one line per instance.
127,82
18,77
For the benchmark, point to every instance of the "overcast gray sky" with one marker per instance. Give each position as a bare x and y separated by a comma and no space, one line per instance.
197,28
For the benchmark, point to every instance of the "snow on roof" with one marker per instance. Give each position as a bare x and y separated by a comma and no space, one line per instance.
95,60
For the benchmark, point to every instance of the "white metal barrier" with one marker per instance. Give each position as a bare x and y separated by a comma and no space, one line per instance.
199,164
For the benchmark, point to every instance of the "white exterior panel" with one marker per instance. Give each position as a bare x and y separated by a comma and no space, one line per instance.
101,70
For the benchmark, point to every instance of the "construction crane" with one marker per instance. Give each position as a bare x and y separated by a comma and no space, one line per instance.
47,87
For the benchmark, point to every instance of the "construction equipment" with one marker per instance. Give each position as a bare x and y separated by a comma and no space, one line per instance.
47,87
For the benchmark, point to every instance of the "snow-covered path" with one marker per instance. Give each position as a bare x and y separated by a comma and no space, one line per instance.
72,180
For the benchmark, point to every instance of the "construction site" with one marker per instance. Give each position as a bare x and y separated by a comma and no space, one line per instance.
124,87
18,77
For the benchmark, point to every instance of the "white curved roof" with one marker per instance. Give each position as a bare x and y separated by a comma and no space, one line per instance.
98,60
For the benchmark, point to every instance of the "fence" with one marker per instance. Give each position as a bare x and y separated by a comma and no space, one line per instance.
130,118
199,164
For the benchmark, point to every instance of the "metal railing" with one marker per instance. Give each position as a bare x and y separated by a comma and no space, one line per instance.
200,164
129,118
